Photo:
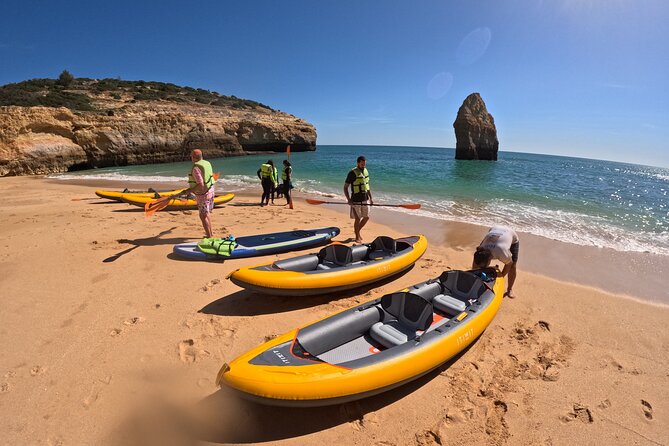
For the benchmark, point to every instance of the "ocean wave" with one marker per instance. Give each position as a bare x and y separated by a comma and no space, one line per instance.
563,226
115,176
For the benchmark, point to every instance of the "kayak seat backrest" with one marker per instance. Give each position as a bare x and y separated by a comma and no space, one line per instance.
359,253
410,313
335,255
337,330
307,262
382,246
460,289
428,290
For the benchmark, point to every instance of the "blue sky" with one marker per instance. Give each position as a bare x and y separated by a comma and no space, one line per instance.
567,77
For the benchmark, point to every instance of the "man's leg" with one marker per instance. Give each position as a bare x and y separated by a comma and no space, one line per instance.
356,229
512,279
206,223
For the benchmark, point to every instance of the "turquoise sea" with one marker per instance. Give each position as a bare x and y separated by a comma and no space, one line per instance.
576,200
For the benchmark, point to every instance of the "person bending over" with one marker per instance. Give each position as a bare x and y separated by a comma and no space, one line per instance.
500,243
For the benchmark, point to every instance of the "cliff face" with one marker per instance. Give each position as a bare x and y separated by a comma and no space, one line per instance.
475,132
41,140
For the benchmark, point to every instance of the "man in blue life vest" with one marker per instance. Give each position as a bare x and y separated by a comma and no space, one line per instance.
201,184
360,198
500,243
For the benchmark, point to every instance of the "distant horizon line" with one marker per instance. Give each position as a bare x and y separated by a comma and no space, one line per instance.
503,151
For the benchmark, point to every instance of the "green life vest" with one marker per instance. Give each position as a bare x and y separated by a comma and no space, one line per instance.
207,174
284,175
361,183
219,246
266,171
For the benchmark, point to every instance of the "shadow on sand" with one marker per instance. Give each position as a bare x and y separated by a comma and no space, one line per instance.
148,241
248,303
226,417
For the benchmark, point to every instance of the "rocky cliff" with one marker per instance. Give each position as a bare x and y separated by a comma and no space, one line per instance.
121,127
475,132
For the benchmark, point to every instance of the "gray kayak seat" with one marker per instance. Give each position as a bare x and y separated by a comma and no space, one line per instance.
382,246
411,313
461,288
307,262
334,256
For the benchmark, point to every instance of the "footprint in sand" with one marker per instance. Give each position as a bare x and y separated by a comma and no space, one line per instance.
4,387
189,353
211,284
37,370
495,424
134,320
580,413
115,332
647,409
91,398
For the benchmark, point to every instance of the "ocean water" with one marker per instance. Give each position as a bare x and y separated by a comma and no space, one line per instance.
575,200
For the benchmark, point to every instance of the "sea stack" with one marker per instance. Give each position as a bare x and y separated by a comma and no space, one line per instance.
475,132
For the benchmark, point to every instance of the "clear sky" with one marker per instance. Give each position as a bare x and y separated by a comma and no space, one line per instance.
581,78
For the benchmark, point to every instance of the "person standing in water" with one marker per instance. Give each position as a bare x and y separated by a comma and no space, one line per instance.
360,197
500,243
266,175
201,184
287,181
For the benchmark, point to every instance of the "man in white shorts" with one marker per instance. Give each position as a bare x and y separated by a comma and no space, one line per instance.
500,243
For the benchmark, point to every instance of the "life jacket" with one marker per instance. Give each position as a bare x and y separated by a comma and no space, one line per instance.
361,183
266,171
207,174
284,175
275,175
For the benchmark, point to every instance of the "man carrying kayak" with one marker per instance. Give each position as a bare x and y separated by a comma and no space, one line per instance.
201,184
360,197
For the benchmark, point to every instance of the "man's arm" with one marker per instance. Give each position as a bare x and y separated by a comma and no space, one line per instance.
348,197
371,200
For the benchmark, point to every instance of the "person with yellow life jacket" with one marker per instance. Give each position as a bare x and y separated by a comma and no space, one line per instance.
275,183
201,184
360,198
267,175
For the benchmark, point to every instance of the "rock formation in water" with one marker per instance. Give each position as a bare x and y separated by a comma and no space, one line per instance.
116,123
475,132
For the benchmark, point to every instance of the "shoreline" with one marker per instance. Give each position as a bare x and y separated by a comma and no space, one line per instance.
108,332
602,269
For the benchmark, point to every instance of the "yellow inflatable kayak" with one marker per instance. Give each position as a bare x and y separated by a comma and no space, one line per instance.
117,195
176,204
372,347
336,267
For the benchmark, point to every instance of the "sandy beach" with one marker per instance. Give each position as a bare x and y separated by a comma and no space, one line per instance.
109,339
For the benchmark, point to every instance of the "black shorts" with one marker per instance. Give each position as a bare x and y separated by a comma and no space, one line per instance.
514,252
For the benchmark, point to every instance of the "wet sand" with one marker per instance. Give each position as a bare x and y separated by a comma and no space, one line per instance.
108,339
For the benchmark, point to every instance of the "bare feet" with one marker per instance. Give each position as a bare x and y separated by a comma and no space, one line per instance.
510,294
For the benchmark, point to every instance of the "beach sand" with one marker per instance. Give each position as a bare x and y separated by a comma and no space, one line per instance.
108,339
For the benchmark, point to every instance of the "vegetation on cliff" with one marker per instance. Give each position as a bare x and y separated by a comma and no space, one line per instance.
80,94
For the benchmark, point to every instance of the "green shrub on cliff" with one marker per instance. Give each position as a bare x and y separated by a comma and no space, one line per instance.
79,94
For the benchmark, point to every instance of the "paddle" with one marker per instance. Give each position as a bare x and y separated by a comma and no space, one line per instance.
405,206
161,203
80,199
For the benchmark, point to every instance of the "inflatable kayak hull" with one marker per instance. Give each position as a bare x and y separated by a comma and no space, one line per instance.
372,347
176,204
320,273
262,244
117,195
